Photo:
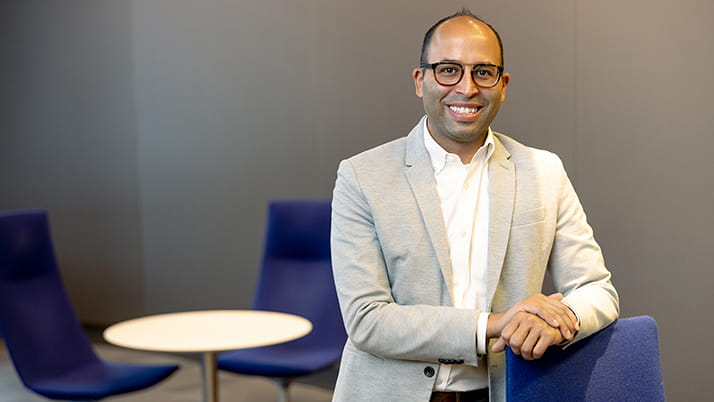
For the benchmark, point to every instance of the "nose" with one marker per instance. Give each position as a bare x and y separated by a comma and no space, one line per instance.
467,87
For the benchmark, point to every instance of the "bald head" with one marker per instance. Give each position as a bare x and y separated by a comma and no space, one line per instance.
459,17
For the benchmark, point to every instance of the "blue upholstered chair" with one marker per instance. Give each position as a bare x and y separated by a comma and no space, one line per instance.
619,363
48,347
295,277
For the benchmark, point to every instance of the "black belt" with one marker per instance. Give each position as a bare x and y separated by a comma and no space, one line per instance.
479,395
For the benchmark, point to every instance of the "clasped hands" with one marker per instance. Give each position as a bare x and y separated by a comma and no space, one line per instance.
532,325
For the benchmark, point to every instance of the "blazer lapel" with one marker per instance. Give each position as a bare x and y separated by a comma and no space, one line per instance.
420,175
502,182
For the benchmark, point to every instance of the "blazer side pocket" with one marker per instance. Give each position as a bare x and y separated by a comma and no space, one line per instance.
529,217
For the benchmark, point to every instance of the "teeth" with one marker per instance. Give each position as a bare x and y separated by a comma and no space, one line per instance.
464,110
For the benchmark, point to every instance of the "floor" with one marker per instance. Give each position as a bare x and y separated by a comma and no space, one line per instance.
183,385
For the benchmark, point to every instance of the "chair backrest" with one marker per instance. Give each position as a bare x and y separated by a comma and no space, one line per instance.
619,363
296,272
40,328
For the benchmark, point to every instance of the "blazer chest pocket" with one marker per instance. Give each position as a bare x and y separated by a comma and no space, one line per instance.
529,217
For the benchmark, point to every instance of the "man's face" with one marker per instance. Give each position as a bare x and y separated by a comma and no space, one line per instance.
460,114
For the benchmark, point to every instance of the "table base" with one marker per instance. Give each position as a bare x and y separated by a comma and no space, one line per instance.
210,379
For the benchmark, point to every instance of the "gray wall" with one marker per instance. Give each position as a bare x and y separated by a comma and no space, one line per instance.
154,132
68,143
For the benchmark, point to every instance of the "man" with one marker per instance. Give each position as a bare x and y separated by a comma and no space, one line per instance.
441,240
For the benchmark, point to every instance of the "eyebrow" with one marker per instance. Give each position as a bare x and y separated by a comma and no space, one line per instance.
462,62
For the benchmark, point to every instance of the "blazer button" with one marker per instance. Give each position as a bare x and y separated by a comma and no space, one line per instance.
429,371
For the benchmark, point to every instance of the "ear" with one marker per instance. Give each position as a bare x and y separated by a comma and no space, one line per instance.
418,75
505,79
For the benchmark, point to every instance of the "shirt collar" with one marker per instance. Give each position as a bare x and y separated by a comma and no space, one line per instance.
438,155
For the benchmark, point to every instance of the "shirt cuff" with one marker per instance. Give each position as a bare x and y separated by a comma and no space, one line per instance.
481,343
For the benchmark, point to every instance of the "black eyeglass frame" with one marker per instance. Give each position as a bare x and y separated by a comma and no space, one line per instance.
474,68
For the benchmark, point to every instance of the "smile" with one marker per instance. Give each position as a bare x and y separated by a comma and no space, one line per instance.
464,109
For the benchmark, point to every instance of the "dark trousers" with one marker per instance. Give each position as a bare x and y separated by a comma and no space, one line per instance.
479,395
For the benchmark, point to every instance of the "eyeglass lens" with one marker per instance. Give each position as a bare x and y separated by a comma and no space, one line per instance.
483,75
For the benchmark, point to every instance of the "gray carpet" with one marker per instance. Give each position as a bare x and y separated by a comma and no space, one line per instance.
183,386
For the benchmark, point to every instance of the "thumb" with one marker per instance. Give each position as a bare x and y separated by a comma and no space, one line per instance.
499,346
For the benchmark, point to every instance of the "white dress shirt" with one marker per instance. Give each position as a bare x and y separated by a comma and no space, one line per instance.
463,191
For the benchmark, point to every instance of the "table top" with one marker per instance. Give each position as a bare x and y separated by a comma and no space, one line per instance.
207,331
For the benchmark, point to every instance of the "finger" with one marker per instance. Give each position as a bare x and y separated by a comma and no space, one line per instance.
537,328
574,318
528,344
568,330
566,333
512,327
563,312
547,313
556,296
542,309
516,351
519,336
554,303
569,318
499,346
541,346
547,339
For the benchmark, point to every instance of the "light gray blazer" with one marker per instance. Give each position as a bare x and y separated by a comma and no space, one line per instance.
392,269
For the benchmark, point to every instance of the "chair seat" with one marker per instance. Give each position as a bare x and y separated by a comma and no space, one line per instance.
278,361
101,380
49,348
296,278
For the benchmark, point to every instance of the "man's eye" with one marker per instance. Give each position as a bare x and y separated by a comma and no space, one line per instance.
484,73
448,69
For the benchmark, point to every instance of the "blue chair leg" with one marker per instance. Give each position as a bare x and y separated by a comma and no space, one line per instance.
283,384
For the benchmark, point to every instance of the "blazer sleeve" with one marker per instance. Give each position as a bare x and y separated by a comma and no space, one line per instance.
374,321
577,265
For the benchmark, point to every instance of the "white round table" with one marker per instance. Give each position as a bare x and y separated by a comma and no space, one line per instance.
207,332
